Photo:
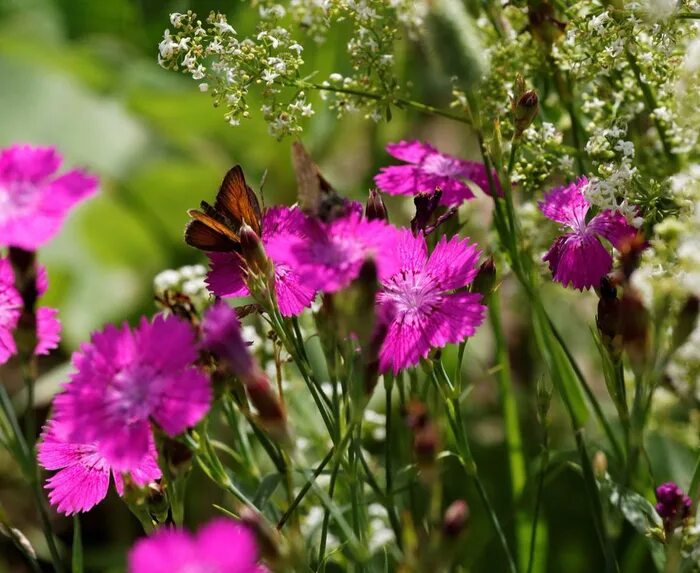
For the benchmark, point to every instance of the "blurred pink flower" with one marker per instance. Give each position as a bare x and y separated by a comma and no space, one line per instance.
124,379
221,334
328,256
47,325
279,224
34,200
427,169
221,546
579,258
420,297
83,475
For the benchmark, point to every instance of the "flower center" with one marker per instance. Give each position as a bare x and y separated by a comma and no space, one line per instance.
133,393
17,198
438,164
412,293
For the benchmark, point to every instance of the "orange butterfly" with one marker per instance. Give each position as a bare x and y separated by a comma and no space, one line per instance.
217,228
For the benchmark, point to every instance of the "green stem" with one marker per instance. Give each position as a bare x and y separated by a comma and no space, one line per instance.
304,490
694,489
27,460
688,16
454,414
511,423
538,499
390,99
77,561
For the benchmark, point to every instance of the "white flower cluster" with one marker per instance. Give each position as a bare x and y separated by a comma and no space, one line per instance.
188,280
267,61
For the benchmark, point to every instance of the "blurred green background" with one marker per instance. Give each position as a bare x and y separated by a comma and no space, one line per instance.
83,75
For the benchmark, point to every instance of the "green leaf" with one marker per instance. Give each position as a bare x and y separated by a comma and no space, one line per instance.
267,487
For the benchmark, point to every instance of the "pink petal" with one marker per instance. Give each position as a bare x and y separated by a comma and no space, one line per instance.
48,330
166,551
28,163
408,180
579,260
67,190
229,545
454,320
184,402
78,488
410,151
612,226
293,294
167,343
282,220
225,278
404,345
567,205
453,263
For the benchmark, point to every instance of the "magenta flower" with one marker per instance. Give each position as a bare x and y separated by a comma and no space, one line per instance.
221,546
33,199
427,169
425,295
124,379
83,475
221,334
328,256
578,257
279,224
47,325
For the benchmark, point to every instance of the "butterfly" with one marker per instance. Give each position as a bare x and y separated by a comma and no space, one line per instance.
316,195
216,228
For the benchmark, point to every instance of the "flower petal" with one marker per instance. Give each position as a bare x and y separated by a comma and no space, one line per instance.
410,151
579,260
567,205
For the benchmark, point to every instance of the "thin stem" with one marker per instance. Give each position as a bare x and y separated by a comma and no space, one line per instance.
651,104
688,16
304,490
398,101
538,498
454,415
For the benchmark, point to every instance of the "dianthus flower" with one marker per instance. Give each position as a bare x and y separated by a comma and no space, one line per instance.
579,258
429,305
672,504
279,224
83,475
427,169
47,325
34,200
328,256
221,546
125,378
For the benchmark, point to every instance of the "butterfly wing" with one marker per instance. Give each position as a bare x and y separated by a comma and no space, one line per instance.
311,185
237,203
206,233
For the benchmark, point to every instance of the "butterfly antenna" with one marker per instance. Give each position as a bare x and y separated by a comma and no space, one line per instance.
263,180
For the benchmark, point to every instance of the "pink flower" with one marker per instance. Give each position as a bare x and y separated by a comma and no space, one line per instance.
426,298
125,378
578,257
279,224
83,475
221,334
221,546
328,256
33,199
427,169
48,326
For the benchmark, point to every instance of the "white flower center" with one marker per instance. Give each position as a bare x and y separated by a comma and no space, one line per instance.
438,164
17,198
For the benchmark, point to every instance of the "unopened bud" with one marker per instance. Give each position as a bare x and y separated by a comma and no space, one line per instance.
485,279
426,205
271,414
524,111
600,464
455,518
426,442
253,252
634,327
177,455
268,539
376,209
631,249
687,321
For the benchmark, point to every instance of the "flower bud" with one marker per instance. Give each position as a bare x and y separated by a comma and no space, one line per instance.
252,250
455,519
426,205
525,109
268,538
600,465
634,327
544,390
426,442
485,279
631,249
270,411
376,209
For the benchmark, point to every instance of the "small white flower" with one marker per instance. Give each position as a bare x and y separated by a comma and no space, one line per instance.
204,87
